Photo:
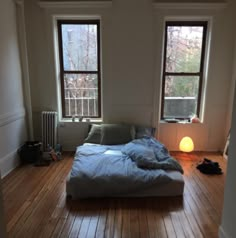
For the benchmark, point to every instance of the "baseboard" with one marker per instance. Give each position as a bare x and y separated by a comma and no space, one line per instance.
9,163
222,233
69,147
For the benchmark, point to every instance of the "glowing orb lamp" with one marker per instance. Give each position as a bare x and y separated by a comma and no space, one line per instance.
186,144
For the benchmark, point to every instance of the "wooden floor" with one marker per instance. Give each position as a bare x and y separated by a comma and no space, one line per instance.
36,206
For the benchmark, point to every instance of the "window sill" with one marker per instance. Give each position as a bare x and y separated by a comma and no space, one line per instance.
179,122
89,120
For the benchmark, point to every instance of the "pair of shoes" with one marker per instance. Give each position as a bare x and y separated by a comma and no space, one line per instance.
209,167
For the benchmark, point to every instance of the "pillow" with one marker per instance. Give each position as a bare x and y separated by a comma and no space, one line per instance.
115,134
142,131
94,135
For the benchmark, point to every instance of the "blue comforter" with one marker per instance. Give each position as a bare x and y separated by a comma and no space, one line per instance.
102,169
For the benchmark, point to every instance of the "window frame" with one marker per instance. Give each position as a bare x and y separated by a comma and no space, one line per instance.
200,74
59,23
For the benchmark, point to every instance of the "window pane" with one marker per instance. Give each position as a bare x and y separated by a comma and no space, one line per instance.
181,96
81,94
184,46
79,43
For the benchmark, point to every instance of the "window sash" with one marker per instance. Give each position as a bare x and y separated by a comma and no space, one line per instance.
79,100
199,74
63,71
181,105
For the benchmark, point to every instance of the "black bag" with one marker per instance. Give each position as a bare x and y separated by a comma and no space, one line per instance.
30,152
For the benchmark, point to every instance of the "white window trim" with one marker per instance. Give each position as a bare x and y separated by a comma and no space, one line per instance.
206,56
158,92
55,18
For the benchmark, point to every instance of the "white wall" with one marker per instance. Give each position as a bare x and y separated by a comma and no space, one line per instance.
227,228
2,216
132,33
131,84
12,112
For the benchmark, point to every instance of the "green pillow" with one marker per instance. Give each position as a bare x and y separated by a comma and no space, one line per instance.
115,134
94,135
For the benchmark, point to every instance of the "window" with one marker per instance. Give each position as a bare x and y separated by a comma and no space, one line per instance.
183,69
79,68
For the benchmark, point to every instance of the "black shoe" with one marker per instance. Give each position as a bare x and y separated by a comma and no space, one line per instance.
207,160
209,168
211,162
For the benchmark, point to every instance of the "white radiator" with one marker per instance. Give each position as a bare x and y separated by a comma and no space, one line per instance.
49,129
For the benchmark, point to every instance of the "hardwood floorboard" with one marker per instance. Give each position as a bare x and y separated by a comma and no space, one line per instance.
51,221
118,221
151,218
192,220
143,222
169,226
161,228
134,219
68,224
36,205
93,223
205,219
100,230
109,228
126,220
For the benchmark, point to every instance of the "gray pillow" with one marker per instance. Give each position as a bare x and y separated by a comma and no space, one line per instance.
115,134
94,135
142,131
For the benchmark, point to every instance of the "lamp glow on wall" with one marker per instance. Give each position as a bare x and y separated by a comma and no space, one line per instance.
186,144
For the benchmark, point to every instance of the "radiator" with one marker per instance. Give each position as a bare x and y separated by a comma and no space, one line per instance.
49,129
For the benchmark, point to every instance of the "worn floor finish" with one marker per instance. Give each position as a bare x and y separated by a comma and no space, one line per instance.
36,206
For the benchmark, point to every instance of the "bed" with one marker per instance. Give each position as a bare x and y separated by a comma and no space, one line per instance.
117,161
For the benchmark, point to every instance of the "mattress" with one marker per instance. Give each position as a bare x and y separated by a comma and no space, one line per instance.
105,171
